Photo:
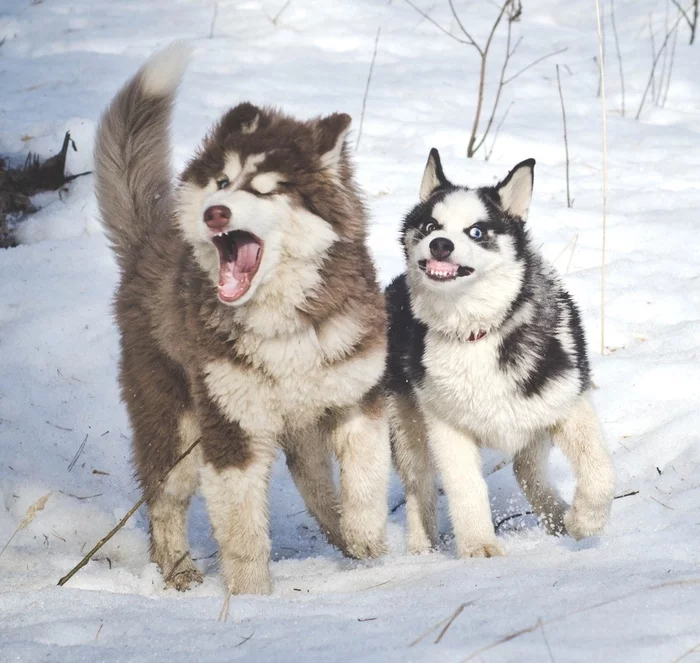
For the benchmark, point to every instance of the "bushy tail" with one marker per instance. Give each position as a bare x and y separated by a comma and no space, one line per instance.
132,152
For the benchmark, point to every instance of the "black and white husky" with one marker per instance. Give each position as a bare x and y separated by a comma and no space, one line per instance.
486,349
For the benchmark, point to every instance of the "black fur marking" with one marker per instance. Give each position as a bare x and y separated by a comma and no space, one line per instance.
406,340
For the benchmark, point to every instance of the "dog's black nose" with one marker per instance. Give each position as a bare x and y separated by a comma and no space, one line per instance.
217,217
441,247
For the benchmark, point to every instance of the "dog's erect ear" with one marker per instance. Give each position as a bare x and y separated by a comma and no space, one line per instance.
331,132
243,118
433,177
516,190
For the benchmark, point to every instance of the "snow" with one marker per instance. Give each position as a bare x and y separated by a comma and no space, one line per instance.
631,595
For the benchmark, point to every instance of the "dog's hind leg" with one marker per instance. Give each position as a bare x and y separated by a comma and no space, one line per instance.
309,462
168,513
409,443
361,441
156,394
530,467
580,438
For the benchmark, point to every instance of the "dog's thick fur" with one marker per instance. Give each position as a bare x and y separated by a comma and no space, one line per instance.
486,349
295,362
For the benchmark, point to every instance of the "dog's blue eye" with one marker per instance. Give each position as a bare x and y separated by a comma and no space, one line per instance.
222,183
475,232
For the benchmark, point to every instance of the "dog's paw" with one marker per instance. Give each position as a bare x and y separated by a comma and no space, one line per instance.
363,538
183,576
553,522
420,543
481,549
581,523
247,577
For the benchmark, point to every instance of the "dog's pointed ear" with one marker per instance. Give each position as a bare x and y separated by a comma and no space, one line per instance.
244,118
433,176
515,190
331,132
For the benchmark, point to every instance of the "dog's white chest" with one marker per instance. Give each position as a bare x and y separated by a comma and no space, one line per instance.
288,384
465,386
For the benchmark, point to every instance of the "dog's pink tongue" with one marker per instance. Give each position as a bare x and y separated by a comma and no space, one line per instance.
234,276
247,256
439,266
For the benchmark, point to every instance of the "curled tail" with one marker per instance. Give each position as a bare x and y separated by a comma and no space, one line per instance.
132,152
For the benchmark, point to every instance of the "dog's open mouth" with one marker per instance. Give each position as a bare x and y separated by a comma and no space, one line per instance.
443,271
240,254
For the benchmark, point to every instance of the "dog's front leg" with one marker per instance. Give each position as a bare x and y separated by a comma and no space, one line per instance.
580,439
361,441
234,479
237,503
458,459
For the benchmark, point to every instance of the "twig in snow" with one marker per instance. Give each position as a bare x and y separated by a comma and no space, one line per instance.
70,430
566,139
605,175
242,642
447,621
511,517
29,517
77,454
692,650
212,27
666,506
369,80
278,14
653,66
573,248
629,494
692,24
455,614
561,617
475,143
129,513
223,613
97,635
498,130
619,54
544,637
670,69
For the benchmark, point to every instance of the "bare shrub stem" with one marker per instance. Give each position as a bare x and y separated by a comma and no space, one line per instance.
369,80
566,139
619,55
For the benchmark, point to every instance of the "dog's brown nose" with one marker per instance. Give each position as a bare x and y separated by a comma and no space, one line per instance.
217,217
441,247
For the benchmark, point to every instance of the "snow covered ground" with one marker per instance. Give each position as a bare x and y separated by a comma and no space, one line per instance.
632,595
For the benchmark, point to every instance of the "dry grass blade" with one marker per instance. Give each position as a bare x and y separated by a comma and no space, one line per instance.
369,80
128,515
456,614
605,176
685,654
223,613
445,623
600,604
566,139
29,517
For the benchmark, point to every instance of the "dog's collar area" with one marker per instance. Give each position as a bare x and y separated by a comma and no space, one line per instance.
473,337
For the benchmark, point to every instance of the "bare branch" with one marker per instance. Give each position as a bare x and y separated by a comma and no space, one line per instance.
653,66
670,69
464,30
533,63
498,131
619,54
682,11
439,27
369,80
566,140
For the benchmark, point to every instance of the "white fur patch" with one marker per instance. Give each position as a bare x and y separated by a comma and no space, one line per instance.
163,72
266,182
296,387
459,210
